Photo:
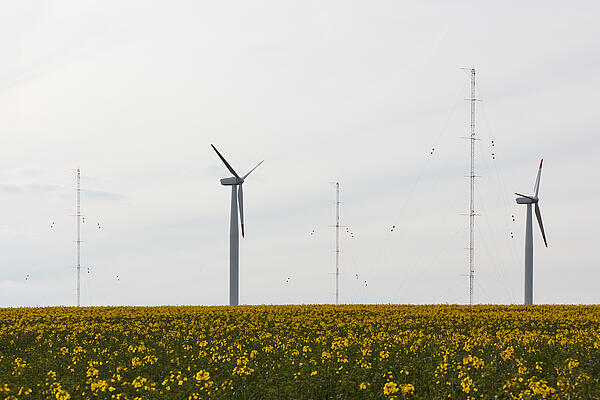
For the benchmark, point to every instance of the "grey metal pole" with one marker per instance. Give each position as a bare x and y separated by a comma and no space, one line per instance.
529,257
234,261
472,196
78,215
337,243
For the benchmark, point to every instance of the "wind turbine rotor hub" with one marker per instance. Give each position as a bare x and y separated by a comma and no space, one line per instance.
527,200
232,181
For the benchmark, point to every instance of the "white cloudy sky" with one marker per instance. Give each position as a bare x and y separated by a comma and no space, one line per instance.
134,92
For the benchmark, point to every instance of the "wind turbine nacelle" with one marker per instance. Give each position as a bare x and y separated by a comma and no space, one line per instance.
525,200
231,181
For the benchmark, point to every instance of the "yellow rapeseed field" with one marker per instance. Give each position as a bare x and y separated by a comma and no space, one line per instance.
301,352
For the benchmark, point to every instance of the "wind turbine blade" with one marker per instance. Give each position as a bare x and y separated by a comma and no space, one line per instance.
537,180
522,195
225,162
244,177
538,214
241,205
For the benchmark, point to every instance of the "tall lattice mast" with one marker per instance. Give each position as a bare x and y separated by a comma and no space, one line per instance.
337,243
78,215
472,186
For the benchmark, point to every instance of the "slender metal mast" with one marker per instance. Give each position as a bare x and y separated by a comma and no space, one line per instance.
78,215
472,185
337,227
337,243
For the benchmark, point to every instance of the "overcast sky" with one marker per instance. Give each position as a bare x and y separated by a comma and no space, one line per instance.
369,93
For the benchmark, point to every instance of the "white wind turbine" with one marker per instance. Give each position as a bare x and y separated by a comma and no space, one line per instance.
529,200
237,199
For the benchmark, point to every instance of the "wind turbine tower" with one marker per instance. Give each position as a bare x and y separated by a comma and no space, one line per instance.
531,200
237,199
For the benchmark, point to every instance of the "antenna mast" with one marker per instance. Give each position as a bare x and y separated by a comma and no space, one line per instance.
472,185
78,215
337,243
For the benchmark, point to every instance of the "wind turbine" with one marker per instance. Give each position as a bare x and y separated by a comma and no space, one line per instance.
531,200
237,199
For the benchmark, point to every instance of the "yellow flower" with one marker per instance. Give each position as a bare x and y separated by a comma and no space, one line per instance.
407,389
466,384
139,382
202,376
390,388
